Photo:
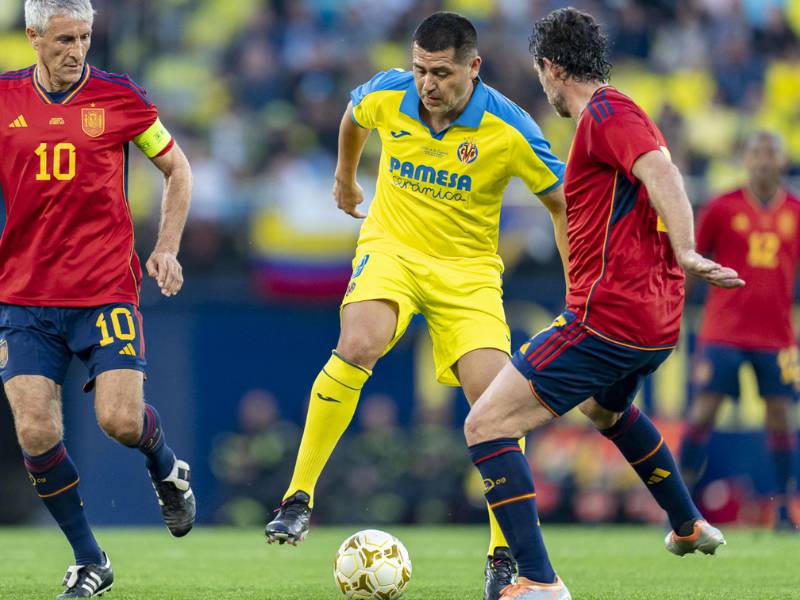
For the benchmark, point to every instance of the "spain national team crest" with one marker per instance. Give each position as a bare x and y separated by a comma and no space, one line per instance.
787,224
93,121
3,353
467,152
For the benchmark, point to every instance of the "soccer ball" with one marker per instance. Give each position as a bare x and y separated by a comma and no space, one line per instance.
372,565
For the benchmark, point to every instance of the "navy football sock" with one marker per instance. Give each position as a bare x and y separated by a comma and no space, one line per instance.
782,450
693,452
644,448
511,496
56,481
159,457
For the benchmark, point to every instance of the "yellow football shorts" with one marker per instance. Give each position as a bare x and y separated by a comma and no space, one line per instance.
461,300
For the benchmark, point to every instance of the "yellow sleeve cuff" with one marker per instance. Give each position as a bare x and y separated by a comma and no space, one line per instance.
153,140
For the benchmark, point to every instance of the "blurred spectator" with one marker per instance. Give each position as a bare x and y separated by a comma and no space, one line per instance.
248,463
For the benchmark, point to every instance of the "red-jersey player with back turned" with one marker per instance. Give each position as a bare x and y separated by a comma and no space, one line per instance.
69,275
755,229
631,238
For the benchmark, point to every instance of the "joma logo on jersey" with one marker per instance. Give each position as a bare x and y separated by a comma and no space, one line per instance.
427,174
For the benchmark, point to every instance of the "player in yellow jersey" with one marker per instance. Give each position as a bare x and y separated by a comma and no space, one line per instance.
450,145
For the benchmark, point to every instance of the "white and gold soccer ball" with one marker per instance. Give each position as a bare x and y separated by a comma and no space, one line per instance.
372,565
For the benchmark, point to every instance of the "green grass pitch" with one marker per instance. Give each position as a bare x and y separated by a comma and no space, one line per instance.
619,563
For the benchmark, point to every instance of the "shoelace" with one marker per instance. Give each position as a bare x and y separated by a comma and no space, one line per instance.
503,567
293,509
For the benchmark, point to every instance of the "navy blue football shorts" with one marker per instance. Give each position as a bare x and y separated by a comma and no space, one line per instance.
716,370
567,364
41,340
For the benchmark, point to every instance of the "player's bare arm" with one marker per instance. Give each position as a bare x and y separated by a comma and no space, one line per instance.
163,263
667,195
346,190
556,204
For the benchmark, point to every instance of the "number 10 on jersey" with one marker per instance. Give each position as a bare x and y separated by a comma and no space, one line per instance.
46,173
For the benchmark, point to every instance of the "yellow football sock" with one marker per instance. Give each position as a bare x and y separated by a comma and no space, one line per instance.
334,397
497,539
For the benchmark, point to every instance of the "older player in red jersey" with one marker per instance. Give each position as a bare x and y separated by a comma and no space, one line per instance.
631,239
69,275
755,230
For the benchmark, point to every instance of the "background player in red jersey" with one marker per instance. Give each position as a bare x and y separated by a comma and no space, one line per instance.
631,237
69,275
755,230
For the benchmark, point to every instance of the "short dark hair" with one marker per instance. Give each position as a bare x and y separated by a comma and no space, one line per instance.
444,30
573,40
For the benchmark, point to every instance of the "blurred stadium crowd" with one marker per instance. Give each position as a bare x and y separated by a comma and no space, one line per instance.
254,91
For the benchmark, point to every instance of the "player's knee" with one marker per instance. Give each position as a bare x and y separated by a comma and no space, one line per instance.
704,409
476,427
778,415
124,427
36,438
471,428
360,348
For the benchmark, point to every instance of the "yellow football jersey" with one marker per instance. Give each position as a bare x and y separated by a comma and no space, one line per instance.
441,193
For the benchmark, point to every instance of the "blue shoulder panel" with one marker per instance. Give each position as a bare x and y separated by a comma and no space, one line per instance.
394,79
124,81
516,117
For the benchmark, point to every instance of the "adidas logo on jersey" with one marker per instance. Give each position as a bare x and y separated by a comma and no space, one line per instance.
128,350
18,122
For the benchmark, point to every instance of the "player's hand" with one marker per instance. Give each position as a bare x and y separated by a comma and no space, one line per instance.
167,271
348,195
709,271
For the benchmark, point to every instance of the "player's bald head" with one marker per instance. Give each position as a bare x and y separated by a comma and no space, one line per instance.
764,158
39,12
764,138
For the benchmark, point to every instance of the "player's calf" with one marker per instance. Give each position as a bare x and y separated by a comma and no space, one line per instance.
644,448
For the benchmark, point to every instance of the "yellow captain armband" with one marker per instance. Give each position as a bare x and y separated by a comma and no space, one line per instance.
153,140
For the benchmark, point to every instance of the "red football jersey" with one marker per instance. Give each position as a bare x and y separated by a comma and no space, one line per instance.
68,238
624,281
762,244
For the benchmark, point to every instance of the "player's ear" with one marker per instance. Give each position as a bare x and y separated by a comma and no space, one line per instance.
554,71
475,67
33,37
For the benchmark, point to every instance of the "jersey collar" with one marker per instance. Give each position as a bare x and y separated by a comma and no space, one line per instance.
775,202
67,96
470,118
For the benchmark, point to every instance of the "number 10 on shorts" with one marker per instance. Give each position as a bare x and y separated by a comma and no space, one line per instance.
121,321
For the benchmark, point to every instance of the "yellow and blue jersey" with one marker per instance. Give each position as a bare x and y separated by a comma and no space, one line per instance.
441,193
